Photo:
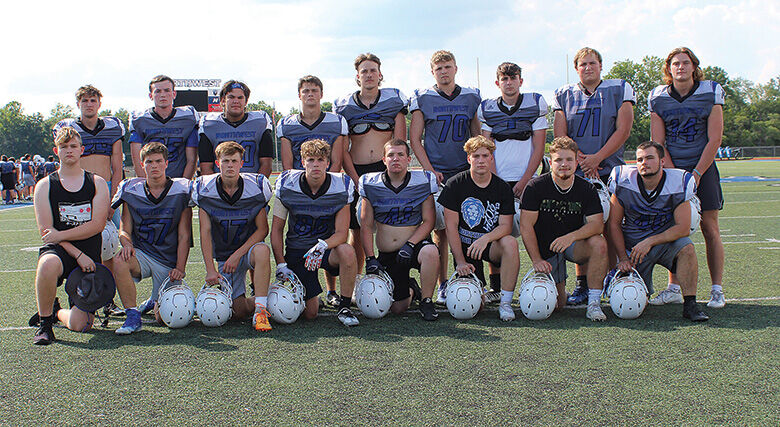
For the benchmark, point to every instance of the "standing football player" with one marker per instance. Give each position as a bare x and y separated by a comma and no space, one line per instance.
517,124
251,129
650,218
8,177
687,118
562,220
479,205
27,176
176,128
233,225
316,204
447,113
399,203
598,115
156,228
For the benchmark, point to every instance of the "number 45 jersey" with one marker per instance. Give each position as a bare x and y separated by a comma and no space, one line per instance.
155,220
402,206
232,217
591,118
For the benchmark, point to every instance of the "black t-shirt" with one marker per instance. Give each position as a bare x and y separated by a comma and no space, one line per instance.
559,213
479,208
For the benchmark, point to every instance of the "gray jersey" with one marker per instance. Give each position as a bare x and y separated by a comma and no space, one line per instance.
685,118
248,133
447,124
591,118
232,217
402,206
388,104
155,220
328,127
647,214
99,140
177,132
312,216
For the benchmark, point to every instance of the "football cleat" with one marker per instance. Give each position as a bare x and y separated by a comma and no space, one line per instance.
214,304
717,299
346,317
505,312
579,296
286,299
374,295
177,303
441,298
132,323
427,310
538,295
464,296
627,294
594,312
260,320
667,296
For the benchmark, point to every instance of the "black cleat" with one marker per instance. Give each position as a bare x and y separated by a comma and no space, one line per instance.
695,314
44,335
333,299
35,319
427,310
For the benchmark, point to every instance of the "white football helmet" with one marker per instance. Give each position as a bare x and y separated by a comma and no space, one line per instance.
695,213
374,295
176,303
604,195
439,212
286,299
464,296
110,237
627,294
538,295
516,220
215,304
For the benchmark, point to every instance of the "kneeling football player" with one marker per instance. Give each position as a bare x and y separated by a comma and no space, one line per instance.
316,202
233,225
400,203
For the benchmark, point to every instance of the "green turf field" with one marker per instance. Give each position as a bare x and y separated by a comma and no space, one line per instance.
659,369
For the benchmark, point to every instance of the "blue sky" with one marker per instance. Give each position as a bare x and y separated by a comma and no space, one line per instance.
118,46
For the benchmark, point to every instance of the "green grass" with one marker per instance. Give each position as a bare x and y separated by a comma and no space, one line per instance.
658,369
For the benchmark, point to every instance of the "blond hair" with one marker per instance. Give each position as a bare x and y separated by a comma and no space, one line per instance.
315,148
563,143
64,135
88,90
585,51
228,148
476,142
442,56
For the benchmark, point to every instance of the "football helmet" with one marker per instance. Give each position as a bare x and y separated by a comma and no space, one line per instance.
374,294
516,220
627,294
604,195
286,299
215,304
464,296
538,295
110,237
695,213
176,303
439,212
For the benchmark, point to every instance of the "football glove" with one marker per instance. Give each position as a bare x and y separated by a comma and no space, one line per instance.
313,258
283,272
405,254
373,266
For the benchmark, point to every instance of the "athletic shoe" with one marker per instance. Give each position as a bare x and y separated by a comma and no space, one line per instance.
505,312
132,323
333,299
416,291
111,309
717,299
667,296
579,296
347,318
427,310
442,298
35,319
146,306
492,297
694,313
44,335
260,320
594,313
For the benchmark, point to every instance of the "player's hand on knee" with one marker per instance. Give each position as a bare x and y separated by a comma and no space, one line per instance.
313,258
231,264
373,266
126,252
405,254
474,251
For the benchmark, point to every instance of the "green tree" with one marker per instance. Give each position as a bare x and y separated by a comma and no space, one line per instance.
643,77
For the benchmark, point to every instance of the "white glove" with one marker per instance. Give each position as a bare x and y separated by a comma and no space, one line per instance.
313,258
283,272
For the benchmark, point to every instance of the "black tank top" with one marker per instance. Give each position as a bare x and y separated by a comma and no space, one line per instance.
71,209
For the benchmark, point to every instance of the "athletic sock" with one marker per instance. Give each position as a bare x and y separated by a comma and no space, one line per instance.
495,282
594,296
345,302
582,281
506,296
717,288
260,302
47,320
674,287
689,300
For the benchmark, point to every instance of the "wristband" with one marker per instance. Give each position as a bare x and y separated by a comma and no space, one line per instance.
79,256
697,172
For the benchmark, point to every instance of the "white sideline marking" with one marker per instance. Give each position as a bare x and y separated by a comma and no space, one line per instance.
754,201
737,235
750,217
17,231
768,248
15,207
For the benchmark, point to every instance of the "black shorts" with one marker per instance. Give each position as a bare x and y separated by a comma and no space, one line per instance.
400,273
362,170
9,181
68,262
709,192
309,279
477,263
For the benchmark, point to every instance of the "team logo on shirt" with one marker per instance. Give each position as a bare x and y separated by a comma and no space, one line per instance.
472,211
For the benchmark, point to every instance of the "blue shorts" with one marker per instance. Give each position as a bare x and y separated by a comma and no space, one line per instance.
309,279
558,263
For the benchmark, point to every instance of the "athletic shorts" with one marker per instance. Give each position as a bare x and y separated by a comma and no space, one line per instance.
400,273
664,254
29,180
709,191
479,270
68,262
150,267
558,263
237,279
8,180
362,170
309,279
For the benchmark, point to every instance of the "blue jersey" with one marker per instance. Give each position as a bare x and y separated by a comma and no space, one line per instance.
312,216
50,167
402,206
232,217
25,165
591,118
647,214
177,132
328,127
512,128
248,132
6,167
388,104
447,124
685,118
155,220
100,140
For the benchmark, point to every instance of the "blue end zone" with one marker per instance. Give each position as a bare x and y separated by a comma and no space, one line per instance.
15,205
747,179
